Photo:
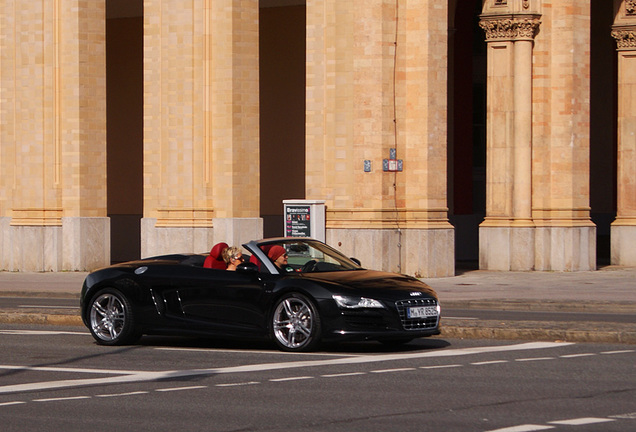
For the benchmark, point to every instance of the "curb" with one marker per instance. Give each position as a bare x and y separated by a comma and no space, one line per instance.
32,318
582,336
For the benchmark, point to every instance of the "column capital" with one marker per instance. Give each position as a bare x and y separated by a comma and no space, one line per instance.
510,27
625,36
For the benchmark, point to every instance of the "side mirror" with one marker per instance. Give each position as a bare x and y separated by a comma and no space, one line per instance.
356,260
247,267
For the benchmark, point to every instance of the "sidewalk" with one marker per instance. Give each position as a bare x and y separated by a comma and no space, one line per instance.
608,290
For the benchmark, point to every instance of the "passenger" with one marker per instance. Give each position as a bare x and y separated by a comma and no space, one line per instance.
233,257
279,256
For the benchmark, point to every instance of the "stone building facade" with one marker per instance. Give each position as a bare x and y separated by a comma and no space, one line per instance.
438,132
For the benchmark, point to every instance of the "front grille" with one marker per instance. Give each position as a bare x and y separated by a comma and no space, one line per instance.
416,323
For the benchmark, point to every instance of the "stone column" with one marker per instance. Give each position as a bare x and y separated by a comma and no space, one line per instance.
376,90
565,238
201,127
53,136
623,234
506,237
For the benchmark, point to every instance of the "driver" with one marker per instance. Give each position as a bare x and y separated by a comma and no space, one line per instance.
279,256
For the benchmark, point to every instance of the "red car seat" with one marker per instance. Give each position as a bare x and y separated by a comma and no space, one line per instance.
215,259
256,261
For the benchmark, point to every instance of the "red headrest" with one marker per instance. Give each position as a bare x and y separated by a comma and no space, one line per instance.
215,259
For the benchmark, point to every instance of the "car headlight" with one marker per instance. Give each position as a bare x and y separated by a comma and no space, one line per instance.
350,302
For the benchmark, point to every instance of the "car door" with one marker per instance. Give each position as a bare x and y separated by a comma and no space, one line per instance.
225,301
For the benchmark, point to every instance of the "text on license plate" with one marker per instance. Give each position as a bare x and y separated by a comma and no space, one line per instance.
421,312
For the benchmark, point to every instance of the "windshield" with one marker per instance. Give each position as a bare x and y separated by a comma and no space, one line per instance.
308,256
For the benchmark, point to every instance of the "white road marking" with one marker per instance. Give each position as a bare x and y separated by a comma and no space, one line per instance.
578,355
12,403
534,359
181,388
582,421
132,393
282,353
441,366
629,416
459,318
380,371
237,384
46,307
296,378
489,362
346,374
141,376
70,370
523,428
68,398
618,352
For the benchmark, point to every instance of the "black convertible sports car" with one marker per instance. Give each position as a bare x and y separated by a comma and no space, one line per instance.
296,291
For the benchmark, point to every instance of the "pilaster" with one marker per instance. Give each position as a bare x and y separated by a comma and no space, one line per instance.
53,134
376,90
623,231
201,127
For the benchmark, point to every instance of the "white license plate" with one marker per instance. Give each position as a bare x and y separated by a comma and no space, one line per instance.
421,312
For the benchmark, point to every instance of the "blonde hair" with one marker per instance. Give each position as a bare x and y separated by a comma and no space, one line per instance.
230,252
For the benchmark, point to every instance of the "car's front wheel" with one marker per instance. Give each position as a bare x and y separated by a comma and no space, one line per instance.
112,319
296,323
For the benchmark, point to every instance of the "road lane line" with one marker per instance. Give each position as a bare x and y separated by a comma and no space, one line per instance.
523,428
281,353
529,359
491,362
582,421
618,352
132,393
67,398
12,403
71,370
442,366
346,374
180,388
380,371
578,355
237,384
142,376
297,378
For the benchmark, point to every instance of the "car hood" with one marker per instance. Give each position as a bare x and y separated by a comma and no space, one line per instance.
372,282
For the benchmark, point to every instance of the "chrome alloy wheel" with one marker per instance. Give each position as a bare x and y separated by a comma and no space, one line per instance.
108,317
295,323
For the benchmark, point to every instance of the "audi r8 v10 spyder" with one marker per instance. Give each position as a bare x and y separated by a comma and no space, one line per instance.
312,293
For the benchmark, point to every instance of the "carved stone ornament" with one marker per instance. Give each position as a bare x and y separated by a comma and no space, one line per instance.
625,38
510,28
630,7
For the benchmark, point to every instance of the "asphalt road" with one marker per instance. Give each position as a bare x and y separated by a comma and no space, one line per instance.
57,378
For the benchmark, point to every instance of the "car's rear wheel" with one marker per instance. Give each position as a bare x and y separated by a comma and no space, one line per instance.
296,323
112,319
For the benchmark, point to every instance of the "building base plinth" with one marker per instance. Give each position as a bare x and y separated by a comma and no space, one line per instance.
506,248
566,248
416,252
78,244
540,248
623,239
